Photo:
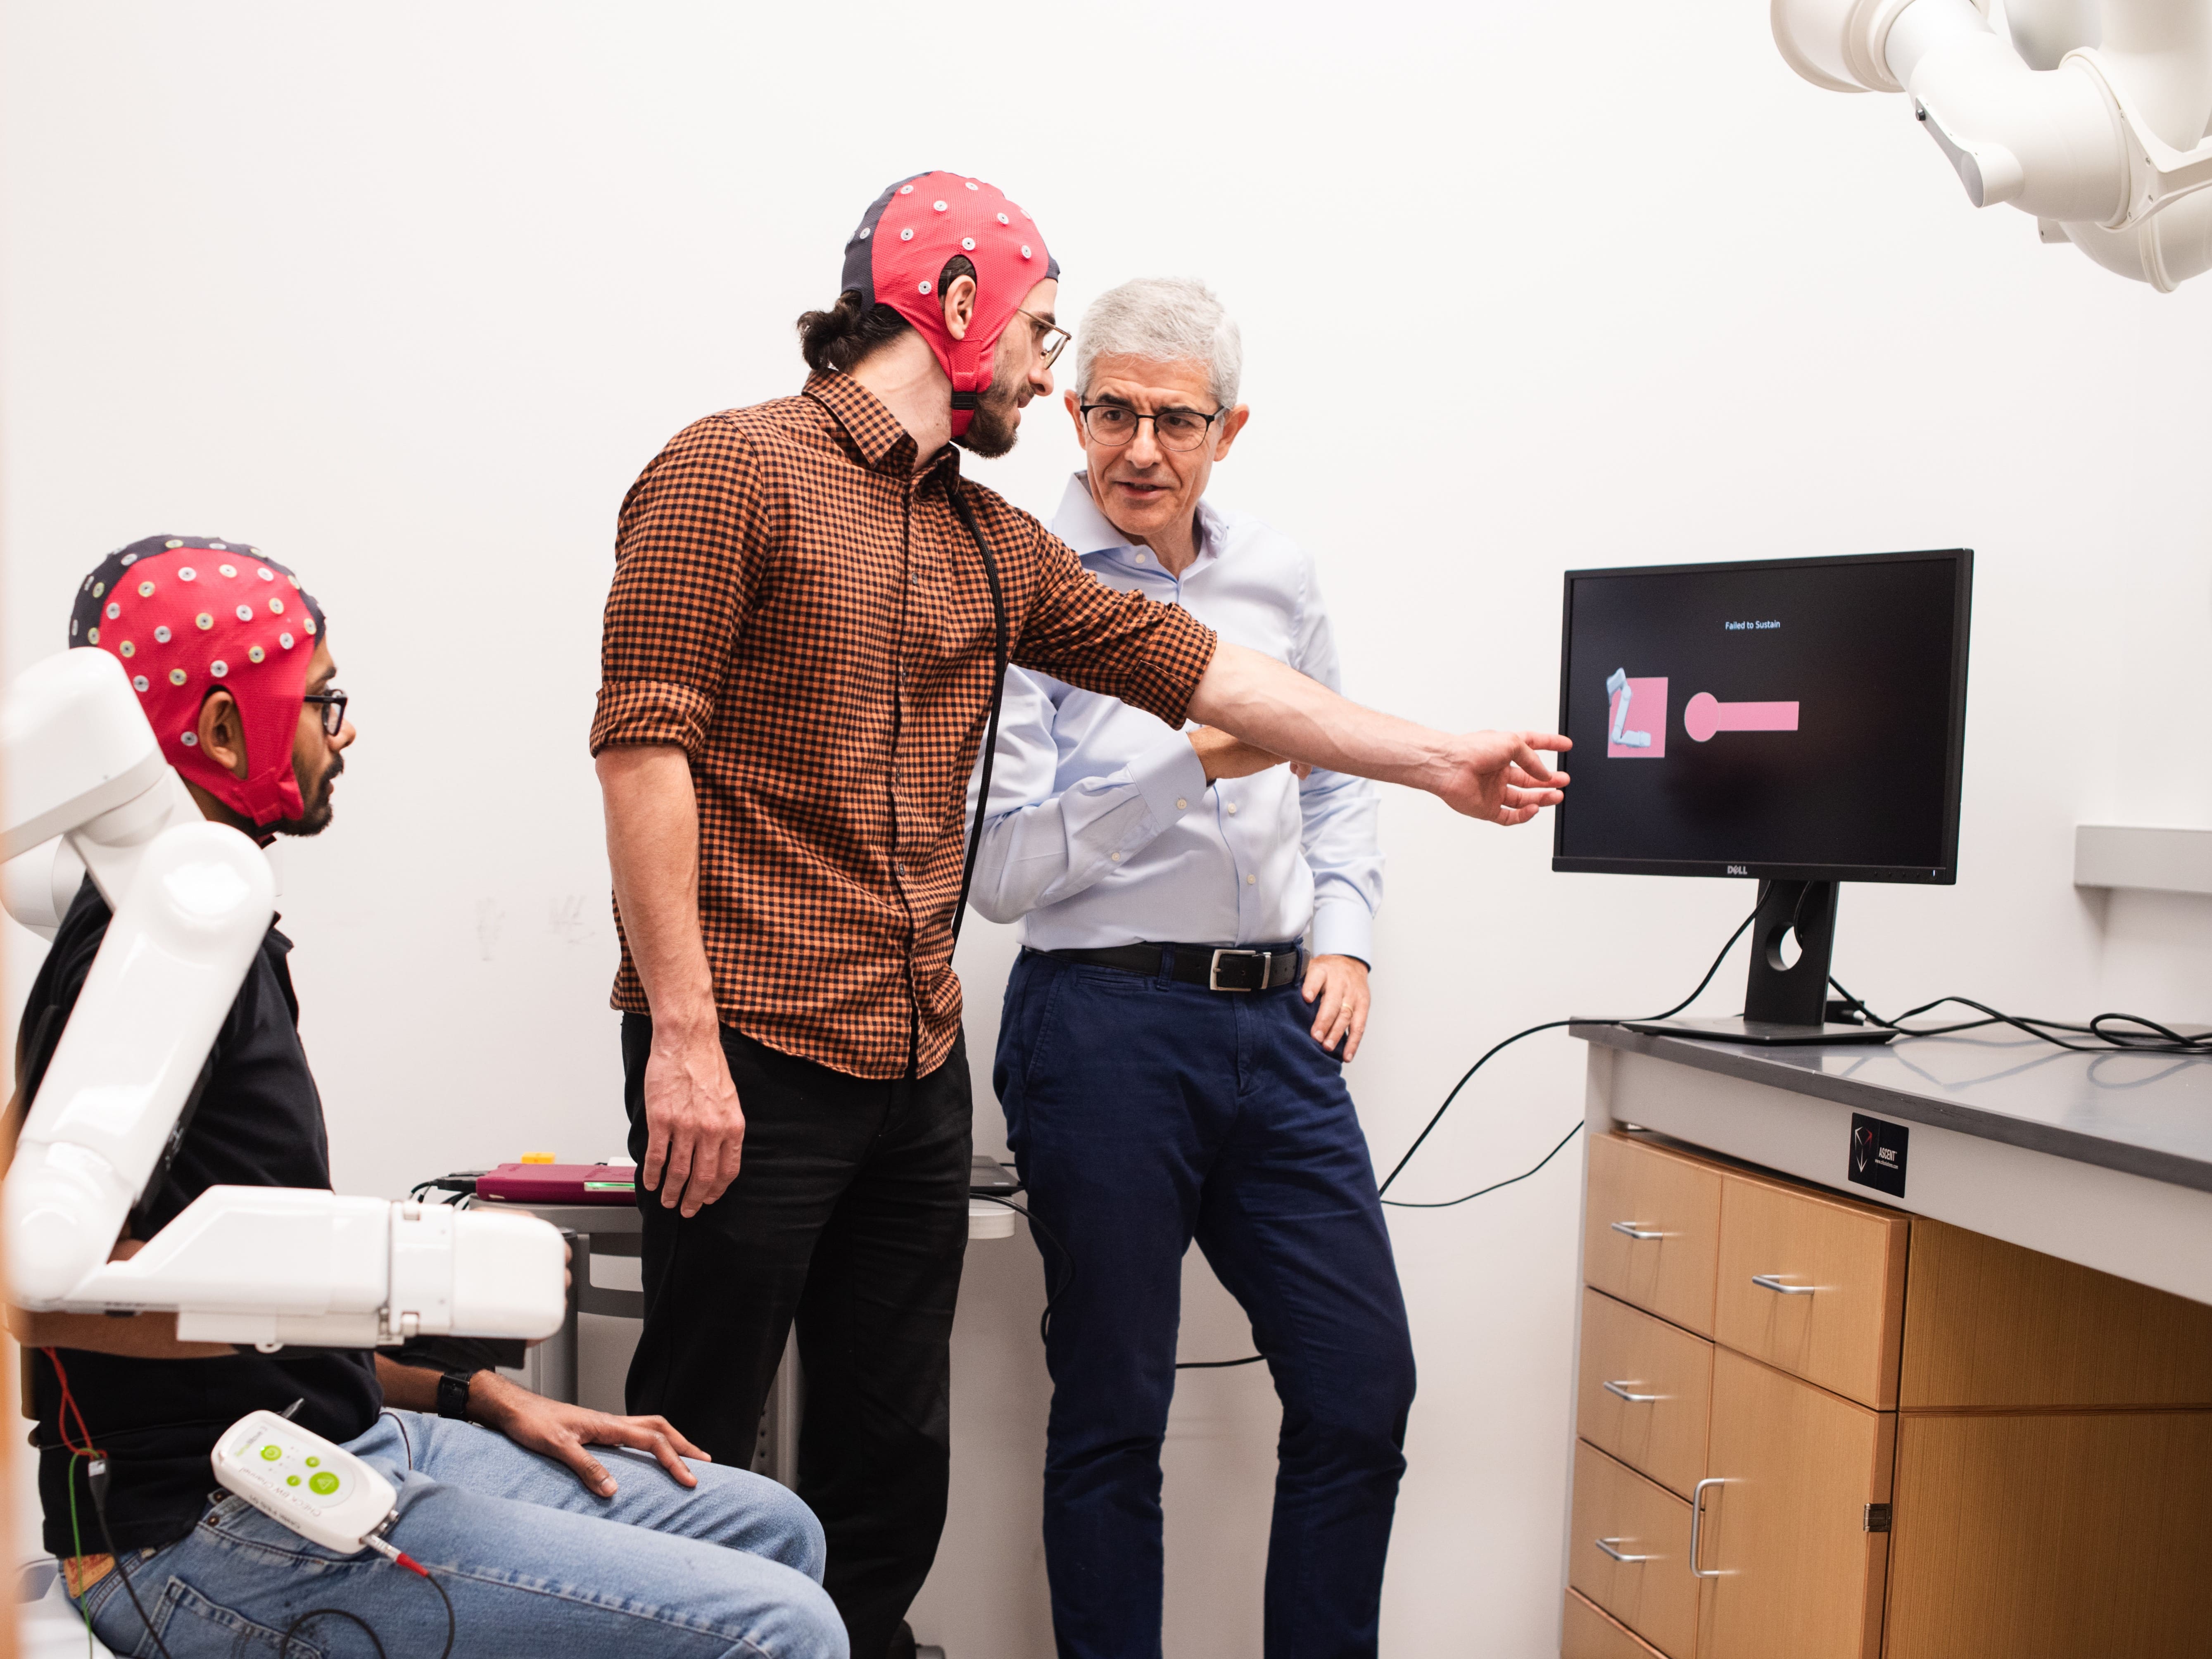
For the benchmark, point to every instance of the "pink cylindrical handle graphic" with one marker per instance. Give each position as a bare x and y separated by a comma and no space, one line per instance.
1705,715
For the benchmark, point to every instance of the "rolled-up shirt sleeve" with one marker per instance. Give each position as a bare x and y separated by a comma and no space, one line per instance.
686,563
1150,655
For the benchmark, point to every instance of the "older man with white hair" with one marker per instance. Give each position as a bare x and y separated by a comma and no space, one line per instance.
1171,1058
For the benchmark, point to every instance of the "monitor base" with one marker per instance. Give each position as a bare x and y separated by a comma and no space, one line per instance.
1767,1034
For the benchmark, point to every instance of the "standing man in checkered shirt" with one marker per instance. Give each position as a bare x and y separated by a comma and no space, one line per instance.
801,649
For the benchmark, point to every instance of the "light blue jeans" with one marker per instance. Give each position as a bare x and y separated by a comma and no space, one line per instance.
537,1567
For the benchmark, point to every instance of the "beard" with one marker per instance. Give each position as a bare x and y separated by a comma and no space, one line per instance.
996,424
315,815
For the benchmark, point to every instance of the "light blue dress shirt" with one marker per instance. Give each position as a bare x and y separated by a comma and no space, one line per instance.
1103,830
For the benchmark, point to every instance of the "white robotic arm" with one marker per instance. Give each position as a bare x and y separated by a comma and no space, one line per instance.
2093,116
192,901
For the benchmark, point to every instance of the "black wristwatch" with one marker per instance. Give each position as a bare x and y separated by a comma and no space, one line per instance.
454,1395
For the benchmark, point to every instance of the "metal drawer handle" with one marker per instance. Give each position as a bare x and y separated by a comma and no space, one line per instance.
1622,1388
1697,1524
1636,1232
1773,1282
1607,1545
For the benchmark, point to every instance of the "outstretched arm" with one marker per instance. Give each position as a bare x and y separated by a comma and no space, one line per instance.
1497,775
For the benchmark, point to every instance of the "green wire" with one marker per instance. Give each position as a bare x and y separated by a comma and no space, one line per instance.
77,1543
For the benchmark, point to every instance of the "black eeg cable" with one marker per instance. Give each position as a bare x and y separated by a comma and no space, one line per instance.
966,513
95,1477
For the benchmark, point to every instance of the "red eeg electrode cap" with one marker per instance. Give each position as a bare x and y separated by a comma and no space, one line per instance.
906,238
185,614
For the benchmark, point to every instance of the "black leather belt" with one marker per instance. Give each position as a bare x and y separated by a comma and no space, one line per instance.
1217,967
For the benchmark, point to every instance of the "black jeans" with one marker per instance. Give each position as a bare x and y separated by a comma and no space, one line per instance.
849,1213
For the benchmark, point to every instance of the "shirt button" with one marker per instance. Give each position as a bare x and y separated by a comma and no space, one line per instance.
1140,558
1249,880
1232,808
1182,806
1117,857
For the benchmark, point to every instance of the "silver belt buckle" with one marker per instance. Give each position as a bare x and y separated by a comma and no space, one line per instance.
1213,972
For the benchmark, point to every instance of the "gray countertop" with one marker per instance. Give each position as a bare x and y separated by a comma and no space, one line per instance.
2147,1114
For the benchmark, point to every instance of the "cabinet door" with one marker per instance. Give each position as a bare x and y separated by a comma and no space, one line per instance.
1800,1574
1629,1551
1645,1392
2023,1536
1651,1228
1814,1285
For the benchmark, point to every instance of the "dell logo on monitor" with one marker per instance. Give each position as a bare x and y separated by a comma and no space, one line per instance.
1737,870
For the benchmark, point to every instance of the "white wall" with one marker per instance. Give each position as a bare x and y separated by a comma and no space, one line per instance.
407,295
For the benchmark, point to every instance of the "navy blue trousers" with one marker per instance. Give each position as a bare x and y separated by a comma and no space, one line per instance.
1144,1113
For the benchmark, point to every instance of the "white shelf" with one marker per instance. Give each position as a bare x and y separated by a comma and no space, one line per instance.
2160,860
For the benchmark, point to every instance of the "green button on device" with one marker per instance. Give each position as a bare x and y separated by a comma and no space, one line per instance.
270,1454
326,1483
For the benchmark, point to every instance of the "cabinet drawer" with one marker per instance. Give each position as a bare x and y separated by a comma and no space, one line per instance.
1654,1594
1651,1229
1801,1576
1812,1285
1644,1391
1586,1633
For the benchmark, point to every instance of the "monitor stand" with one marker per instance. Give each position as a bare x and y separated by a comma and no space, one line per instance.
1782,1006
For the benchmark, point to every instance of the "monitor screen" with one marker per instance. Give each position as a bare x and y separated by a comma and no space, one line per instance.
1799,719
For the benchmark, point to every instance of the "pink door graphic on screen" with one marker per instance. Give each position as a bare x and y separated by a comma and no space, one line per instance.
1636,717
1705,714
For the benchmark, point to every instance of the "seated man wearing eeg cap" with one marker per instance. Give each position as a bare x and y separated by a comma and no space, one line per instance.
233,666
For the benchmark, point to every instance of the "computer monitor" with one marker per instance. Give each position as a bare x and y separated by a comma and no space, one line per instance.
1796,721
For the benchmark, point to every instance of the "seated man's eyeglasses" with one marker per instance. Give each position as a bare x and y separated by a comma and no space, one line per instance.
333,703
1115,424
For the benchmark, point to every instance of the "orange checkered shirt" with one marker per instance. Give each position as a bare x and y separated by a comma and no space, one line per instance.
806,617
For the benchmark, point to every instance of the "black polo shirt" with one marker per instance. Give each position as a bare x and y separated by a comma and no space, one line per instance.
258,1123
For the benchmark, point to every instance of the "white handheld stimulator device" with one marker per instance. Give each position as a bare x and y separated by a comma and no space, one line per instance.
295,1477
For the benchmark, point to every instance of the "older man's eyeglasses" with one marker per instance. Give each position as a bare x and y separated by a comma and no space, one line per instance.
334,704
1051,339
1115,424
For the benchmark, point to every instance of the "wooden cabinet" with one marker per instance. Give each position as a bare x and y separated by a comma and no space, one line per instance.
1800,1574
1651,1229
1629,1551
1645,1392
1838,1431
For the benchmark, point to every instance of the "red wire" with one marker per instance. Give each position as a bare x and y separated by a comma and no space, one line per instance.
69,1407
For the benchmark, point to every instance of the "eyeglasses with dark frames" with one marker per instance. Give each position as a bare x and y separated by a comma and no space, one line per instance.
1115,424
334,707
1052,339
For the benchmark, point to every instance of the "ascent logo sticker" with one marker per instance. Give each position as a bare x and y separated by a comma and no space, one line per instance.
1877,1159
